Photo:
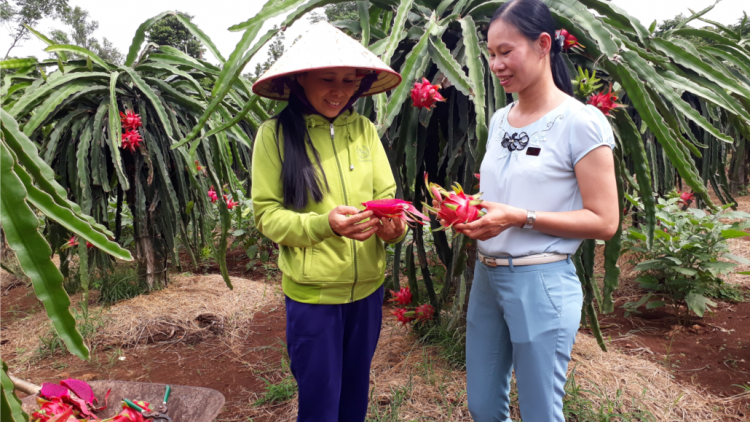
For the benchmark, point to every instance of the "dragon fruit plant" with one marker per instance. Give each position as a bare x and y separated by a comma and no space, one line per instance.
395,208
453,207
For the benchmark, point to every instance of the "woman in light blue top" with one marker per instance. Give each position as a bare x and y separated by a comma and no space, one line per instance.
547,185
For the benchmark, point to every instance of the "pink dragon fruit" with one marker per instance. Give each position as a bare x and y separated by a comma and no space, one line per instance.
72,394
453,207
395,208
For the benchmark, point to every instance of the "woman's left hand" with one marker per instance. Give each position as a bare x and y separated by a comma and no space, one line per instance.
499,218
391,228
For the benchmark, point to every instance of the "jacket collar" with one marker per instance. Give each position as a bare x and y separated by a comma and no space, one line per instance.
345,118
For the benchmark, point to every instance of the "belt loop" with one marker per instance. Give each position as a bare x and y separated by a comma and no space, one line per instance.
510,263
568,259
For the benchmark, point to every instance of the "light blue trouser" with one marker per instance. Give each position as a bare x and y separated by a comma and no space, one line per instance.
523,318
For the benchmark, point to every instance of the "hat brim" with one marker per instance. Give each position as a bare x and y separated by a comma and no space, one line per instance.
324,47
266,87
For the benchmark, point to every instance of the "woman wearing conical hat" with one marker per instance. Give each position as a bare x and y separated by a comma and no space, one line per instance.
312,163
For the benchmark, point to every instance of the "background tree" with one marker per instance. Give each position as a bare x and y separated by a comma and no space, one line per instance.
81,33
170,31
16,14
275,50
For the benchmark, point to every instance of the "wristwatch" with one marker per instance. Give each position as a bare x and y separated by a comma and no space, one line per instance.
530,219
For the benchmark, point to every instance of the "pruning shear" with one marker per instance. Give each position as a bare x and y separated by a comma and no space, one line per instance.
159,414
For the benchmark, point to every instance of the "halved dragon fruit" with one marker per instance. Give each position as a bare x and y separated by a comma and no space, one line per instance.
453,207
395,208
76,393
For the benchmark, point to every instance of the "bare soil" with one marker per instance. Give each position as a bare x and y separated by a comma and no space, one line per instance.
712,353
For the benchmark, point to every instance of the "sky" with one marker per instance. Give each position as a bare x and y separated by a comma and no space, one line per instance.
119,21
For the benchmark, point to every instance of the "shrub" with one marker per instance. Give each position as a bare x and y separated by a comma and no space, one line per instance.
683,267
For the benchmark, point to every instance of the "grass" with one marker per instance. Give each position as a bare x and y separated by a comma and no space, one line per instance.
280,392
579,408
451,342
122,284
728,292
286,388
86,323
389,411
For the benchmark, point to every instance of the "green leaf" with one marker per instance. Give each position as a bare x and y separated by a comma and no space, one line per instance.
610,10
55,99
78,50
235,119
736,258
22,233
229,73
27,102
201,36
44,177
140,36
152,97
698,303
180,98
10,407
702,33
442,57
476,75
115,133
172,70
719,265
17,63
270,9
397,32
62,56
646,108
413,67
694,63
655,304
705,89
647,73
575,11
686,271
364,20
649,265
733,233
632,140
743,272
734,58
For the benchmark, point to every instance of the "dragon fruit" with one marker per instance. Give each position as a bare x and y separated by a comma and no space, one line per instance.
131,120
131,140
453,207
403,297
395,208
424,312
71,395
425,95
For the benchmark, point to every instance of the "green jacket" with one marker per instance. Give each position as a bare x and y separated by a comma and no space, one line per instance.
319,266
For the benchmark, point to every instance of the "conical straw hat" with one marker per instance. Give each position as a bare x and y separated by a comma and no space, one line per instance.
325,46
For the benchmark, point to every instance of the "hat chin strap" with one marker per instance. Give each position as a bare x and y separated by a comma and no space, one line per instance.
296,89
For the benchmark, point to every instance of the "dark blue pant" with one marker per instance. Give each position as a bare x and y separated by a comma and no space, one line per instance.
331,348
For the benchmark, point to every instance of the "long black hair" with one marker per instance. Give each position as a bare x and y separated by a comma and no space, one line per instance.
299,176
532,18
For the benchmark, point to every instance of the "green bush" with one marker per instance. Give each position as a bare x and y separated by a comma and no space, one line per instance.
683,267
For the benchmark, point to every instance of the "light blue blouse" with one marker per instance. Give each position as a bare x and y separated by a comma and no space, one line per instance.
543,182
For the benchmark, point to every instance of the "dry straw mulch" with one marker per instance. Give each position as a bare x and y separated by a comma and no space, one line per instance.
428,389
191,308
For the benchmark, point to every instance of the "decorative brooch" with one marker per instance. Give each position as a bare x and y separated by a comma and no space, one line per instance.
515,142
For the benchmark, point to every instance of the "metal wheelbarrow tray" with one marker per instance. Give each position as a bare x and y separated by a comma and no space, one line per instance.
186,403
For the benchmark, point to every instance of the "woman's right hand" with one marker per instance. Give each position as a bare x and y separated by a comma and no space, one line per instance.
346,221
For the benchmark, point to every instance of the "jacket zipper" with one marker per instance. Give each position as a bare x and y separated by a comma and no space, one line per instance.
346,200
